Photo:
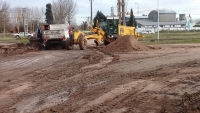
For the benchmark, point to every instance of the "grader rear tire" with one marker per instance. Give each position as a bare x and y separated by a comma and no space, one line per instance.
82,43
69,45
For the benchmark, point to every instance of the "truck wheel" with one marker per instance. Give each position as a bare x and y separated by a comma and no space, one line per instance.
63,44
17,37
69,45
47,46
82,42
29,36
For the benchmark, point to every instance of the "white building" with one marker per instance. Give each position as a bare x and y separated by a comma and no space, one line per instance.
168,21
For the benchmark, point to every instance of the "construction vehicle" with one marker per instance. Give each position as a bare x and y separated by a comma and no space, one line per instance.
106,31
50,35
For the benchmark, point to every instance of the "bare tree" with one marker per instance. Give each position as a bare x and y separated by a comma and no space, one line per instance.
37,15
64,11
4,14
30,15
4,6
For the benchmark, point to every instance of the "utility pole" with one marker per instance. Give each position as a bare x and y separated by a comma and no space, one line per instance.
112,11
138,8
18,21
119,11
91,12
4,30
26,26
23,20
123,12
158,19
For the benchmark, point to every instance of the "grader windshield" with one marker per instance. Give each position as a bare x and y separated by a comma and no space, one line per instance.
110,26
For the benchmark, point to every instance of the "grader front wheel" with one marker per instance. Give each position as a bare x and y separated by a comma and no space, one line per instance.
82,43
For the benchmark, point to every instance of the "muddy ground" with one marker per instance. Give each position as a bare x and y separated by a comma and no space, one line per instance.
161,80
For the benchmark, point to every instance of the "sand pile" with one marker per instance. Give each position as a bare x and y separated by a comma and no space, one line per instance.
126,43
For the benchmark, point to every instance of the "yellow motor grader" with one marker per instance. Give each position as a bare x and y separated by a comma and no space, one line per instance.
104,31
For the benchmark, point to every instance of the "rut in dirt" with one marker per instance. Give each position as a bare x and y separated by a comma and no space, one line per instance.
17,49
149,95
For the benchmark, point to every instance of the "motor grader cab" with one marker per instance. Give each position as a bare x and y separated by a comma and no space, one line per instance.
110,27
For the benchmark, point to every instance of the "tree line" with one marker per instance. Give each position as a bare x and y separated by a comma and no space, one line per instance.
56,12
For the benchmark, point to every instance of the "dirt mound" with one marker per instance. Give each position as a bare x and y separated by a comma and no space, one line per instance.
190,103
93,57
126,43
16,49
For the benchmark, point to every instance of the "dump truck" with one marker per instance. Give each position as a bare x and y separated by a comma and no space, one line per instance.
50,35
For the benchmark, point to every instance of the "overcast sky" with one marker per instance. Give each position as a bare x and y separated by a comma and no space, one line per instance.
179,6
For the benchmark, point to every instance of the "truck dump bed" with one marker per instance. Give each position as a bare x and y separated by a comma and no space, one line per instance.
53,34
56,31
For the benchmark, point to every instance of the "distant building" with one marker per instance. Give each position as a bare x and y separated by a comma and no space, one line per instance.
164,16
167,20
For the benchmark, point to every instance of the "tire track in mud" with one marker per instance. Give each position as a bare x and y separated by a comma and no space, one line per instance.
19,63
45,82
150,90
107,102
32,61
90,85
91,98
38,102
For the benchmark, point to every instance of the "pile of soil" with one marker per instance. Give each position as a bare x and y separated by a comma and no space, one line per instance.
16,49
126,43
190,103
93,57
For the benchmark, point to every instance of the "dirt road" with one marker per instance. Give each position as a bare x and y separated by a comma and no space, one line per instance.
155,81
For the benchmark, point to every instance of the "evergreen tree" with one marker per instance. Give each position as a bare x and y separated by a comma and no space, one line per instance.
98,16
49,14
132,21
